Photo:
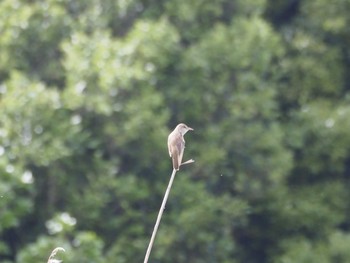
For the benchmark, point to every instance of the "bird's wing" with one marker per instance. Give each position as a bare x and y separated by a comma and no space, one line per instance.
169,148
176,146
180,145
175,158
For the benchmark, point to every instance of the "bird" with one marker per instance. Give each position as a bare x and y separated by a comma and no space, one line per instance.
176,144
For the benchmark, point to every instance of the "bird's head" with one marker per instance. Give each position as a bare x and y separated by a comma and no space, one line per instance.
183,128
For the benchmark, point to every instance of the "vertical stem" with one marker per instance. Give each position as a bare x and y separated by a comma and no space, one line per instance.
165,198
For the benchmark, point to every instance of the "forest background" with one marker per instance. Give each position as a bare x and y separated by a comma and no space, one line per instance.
90,89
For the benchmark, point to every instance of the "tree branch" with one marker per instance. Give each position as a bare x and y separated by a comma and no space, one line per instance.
159,216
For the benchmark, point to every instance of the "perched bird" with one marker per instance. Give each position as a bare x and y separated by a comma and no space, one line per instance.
176,144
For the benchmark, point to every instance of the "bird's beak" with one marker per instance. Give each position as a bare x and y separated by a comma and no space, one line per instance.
190,129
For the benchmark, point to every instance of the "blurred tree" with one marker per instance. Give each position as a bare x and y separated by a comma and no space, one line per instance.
87,89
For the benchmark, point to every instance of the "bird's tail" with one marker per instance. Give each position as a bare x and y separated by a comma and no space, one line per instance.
175,162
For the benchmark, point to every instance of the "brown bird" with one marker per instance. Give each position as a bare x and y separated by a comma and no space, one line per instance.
176,144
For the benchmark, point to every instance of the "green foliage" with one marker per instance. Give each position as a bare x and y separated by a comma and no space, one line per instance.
328,125
90,89
85,247
334,249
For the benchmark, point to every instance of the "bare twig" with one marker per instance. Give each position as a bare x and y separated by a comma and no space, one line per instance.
159,216
188,162
53,254
162,207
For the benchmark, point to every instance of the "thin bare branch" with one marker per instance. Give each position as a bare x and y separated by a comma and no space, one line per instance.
159,216
188,162
53,254
160,213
